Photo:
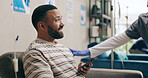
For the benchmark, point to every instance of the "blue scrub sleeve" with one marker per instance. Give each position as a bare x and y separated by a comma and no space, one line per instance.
80,52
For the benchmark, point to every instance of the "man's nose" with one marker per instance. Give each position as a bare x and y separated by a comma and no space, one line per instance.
61,23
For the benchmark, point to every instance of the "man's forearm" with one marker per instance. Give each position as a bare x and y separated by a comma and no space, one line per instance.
109,44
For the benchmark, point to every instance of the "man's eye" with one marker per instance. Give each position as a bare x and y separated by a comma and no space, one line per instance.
58,20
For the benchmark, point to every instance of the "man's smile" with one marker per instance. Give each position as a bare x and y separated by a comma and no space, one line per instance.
60,28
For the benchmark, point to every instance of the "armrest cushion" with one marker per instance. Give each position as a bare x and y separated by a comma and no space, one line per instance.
113,73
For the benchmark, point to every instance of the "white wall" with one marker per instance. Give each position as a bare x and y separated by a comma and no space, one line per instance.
13,24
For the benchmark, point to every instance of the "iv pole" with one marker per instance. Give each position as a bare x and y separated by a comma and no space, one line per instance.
112,33
15,60
126,27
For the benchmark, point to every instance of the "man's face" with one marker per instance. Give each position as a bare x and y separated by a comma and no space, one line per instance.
147,3
54,24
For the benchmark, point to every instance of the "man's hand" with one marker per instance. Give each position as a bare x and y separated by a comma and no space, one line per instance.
85,69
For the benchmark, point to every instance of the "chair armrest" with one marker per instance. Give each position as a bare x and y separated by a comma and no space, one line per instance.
125,64
113,73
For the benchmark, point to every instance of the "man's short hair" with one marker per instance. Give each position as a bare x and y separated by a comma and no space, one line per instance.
40,13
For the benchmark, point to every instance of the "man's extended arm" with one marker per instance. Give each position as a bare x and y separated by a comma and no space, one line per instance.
109,44
106,45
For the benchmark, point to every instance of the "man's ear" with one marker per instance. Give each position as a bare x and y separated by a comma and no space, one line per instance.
41,25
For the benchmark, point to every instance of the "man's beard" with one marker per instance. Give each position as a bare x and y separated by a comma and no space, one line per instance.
54,33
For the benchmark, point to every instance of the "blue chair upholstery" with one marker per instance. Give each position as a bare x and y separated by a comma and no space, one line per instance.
142,57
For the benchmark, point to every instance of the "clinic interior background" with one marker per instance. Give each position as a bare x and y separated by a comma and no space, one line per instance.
16,23
75,35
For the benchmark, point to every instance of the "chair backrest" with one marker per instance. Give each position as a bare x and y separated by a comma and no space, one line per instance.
7,67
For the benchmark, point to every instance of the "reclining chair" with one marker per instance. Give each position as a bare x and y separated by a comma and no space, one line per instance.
7,67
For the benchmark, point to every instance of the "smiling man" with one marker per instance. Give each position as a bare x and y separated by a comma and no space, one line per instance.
46,58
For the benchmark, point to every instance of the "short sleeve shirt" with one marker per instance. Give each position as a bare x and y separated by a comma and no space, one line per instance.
139,28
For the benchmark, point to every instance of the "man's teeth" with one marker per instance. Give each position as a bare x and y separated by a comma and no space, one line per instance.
60,27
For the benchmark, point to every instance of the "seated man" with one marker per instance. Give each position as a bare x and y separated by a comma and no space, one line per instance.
46,58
